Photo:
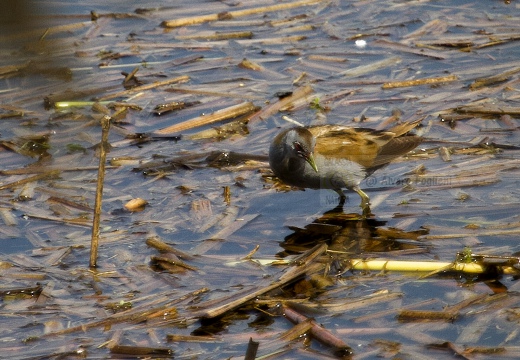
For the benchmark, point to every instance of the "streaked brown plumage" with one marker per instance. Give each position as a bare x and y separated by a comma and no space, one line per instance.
336,156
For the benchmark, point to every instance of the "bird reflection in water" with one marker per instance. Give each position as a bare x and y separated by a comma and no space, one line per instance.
348,235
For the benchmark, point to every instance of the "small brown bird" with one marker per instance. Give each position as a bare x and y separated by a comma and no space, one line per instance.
336,156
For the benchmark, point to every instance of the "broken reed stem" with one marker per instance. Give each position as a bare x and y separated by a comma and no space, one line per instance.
42,32
488,109
214,93
366,69
44,175
105,127
174,261
251,293
272,109
417,82
304,266
193,20
50,173
179,79
218,36
423,266
426,266
139,351
252,348
219,115
136,314
412,50
491,80
422,315
318,332
160,245
449,313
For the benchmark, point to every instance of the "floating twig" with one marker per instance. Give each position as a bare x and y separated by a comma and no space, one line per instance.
272,109
238,299
420,315
173,261
417,82
406,48
366,69
319,332
219,115
139,351
234,14
491,80
160,245
218,36
154,85
45,175
213,93
488,109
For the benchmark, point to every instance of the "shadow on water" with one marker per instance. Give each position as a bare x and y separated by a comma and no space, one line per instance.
350,234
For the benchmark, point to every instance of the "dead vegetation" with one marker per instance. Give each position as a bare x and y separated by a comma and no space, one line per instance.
202,253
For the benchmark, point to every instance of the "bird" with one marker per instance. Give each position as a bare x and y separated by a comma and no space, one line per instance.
337,156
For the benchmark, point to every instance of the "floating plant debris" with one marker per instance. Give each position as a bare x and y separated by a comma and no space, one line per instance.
214,253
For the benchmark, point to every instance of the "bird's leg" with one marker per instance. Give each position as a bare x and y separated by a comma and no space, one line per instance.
365,201
342,197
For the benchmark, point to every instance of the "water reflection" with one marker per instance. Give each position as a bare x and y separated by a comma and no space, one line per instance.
350,234
17,20
26,42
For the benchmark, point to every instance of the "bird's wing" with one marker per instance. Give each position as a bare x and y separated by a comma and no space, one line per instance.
394,148
355,144
370,148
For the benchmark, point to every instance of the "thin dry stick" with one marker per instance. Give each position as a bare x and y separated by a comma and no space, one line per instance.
251,293
297,331
488,109
221,306
219,115
45,175
105,126
214,93
491,80
406,48
252,348
154,85
272,109
318,332
173,260
461,235
417,82
449,313
218,36
367,69
10,69
48,171
498,41
160,245
193,338
131,75
416,315
48,31
234,14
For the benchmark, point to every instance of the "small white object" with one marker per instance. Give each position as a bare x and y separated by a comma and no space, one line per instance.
361,43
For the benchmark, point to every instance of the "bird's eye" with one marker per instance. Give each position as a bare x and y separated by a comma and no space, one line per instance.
299,148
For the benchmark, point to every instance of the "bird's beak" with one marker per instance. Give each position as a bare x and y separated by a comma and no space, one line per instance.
310,160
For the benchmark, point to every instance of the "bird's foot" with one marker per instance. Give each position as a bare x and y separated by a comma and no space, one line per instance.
365,202
366,210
